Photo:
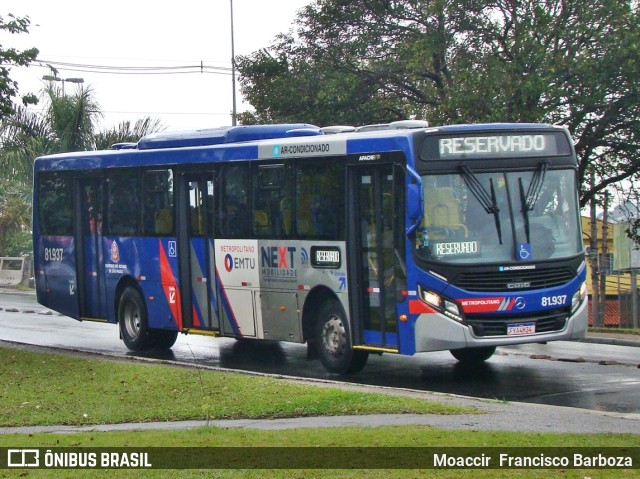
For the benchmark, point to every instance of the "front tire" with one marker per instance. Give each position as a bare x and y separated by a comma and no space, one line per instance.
132,318
333,341
473,355
163,338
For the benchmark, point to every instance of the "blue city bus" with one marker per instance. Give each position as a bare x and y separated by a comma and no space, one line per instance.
398,238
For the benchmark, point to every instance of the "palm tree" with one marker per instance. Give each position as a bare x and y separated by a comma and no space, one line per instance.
72,118
23,137
67,124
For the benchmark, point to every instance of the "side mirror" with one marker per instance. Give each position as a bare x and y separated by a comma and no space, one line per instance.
415,201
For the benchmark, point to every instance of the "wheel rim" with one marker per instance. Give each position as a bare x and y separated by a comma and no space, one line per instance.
131,320
334,336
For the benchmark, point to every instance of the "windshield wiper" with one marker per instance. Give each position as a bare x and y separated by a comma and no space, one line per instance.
529,200
486,200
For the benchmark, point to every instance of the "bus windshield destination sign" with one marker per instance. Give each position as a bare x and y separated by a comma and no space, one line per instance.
515,144
495,146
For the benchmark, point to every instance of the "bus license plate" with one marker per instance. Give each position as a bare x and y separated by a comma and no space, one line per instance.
520,329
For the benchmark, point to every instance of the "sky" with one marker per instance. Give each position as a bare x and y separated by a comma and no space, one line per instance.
142,33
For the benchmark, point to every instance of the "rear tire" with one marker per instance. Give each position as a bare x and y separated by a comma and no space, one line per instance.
132,318
473,355
333,341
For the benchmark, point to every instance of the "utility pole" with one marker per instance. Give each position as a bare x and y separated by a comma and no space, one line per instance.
593,253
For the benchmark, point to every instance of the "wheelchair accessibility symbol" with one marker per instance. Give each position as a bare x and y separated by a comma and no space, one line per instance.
173,249
524,251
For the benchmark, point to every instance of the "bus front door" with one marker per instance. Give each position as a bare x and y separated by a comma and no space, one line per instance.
90,284
197,261
376,204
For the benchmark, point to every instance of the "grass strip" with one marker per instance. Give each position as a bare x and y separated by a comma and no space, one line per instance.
49,389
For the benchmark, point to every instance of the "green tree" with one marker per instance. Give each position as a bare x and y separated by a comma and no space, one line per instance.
364,61
12,57
315,93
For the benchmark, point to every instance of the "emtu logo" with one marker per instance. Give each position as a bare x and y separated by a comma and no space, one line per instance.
228,263
231,263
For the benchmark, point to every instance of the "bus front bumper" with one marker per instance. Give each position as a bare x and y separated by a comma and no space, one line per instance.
437,332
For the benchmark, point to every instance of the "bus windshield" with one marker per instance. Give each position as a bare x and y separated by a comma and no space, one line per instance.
487,217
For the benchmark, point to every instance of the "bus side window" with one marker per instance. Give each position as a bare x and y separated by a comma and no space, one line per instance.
304,200
123,203
158,202
233,210
55,204
272,211
319,200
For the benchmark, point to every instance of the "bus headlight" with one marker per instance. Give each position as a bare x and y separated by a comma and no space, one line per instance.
578,297
431,298
448,307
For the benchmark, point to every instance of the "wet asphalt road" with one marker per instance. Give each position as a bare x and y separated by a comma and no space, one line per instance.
567,374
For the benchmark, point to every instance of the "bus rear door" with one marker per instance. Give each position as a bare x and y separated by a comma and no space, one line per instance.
90,283
376,206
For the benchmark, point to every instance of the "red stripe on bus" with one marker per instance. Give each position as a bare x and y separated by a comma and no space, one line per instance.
170,286
417,306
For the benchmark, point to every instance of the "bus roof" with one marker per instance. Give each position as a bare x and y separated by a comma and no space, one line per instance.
278,141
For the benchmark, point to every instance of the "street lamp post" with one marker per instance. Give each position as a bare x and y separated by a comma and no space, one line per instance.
70,80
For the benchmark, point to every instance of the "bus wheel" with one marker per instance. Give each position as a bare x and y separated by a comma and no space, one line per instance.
132,317
473,355
333,341
164,338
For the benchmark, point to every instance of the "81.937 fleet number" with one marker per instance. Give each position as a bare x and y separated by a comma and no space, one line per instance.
558,300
